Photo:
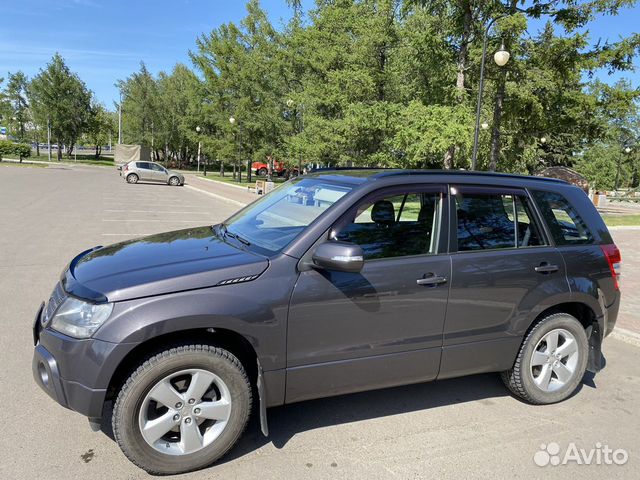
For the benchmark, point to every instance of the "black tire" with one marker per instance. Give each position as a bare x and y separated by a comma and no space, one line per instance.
126,428
132,178
262,172
520,379
174,181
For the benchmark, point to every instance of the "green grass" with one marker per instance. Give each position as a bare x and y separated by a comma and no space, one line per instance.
622,220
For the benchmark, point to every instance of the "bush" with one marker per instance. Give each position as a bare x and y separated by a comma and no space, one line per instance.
11,149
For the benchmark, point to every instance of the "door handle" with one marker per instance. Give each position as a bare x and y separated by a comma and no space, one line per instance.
546,268
431,280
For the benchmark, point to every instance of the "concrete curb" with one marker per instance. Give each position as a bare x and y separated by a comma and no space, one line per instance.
215,195
626,336
46,162
624,227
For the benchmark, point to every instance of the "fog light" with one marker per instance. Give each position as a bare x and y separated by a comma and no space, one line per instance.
44,376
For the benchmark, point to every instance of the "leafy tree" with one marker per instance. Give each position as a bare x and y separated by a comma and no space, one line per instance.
18,108
101,126
59,98
140,106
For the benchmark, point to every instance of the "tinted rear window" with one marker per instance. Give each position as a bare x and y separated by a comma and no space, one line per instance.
566,226
492,220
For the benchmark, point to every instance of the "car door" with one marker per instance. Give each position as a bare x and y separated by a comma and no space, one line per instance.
144,171
382,326
158,173
503,271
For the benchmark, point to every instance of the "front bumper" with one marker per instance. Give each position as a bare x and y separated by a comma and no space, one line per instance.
72,395
74,372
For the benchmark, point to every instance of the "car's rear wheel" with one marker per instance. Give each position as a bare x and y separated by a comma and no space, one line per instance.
132,178
262,172
174,181
551,361
182,409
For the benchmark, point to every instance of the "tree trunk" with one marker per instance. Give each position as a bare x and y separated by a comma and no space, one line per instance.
499,103
463,53
495,134
463,56
449,157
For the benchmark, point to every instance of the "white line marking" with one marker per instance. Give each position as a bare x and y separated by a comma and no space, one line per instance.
214,195
127,234
198,221
156,211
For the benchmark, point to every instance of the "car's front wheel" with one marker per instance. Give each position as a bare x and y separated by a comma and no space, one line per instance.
182,409
174,181
551,362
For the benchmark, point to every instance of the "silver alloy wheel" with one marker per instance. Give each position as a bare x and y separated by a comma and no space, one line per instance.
175,181
554,360
185,412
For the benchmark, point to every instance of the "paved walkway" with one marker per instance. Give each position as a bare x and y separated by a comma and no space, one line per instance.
627,241
236,194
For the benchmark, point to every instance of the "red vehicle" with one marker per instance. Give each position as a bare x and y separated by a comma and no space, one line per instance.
279,168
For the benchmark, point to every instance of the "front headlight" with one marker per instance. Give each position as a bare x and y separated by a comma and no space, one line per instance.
80,319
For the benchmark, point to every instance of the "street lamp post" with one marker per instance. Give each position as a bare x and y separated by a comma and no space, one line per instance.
501,57
297,110
120,119
198,129
232,121
627,150
49,138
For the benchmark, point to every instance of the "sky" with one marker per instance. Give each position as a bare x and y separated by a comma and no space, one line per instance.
105,40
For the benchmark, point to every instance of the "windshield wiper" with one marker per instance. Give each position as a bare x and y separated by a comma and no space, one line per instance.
237,237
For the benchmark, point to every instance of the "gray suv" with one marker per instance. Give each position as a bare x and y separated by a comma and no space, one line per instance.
338,281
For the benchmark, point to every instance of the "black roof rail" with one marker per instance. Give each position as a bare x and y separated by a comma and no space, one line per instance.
388,172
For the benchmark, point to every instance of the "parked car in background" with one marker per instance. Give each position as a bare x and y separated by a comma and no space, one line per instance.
135,172
279,168
336,282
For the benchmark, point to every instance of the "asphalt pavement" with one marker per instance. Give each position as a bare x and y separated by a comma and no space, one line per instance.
462,428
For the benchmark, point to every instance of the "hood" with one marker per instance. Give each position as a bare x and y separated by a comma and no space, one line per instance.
163,263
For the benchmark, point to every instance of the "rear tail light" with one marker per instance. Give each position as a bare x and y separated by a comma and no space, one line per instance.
126,167
614,259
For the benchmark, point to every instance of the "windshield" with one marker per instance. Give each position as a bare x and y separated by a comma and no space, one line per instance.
276,219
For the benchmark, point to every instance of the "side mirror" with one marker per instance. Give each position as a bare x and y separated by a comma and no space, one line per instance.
338,256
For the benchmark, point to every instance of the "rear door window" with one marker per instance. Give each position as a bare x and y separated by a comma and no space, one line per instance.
143,165
566,226
490,219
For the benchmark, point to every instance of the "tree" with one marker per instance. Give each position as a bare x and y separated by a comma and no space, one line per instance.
243,79
101,125
59,98
140,106
18,108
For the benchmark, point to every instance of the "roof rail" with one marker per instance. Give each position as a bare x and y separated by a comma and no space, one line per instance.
388,172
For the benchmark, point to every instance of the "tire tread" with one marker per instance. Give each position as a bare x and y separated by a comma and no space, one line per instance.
155,360
512,378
